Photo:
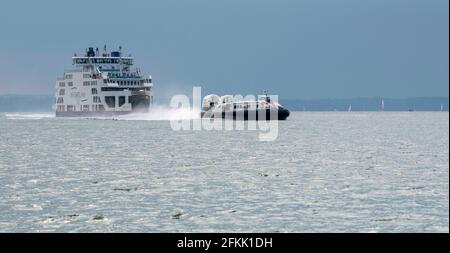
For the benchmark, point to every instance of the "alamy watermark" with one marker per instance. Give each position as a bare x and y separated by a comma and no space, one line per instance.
229,113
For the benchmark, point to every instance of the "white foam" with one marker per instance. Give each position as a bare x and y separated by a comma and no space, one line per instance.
29,115
163,113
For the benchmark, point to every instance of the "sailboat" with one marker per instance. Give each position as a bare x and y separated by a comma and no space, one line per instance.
350,108
382,105
442,107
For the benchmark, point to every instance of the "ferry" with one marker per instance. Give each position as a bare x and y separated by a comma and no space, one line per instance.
225,107
102,84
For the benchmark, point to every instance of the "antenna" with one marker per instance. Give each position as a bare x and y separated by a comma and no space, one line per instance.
266,96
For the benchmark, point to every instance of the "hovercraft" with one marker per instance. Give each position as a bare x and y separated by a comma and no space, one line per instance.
225,107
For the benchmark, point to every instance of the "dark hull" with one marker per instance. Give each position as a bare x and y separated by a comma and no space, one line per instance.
281,114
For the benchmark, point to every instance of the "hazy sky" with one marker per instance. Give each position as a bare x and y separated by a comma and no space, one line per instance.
296,49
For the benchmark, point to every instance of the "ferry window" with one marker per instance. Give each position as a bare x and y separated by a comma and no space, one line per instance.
62,84
96,99
60,100
70,84
94,90
86,83
86,75
68,76
94,83
61,92
85,107
110,101
121,100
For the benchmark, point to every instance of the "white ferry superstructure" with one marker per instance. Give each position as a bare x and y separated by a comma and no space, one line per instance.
103,84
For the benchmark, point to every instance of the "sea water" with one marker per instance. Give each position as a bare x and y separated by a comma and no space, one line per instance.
326,172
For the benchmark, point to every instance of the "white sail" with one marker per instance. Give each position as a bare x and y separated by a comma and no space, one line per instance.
382,105
350,108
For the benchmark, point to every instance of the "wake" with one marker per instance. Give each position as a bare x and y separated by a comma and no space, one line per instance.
34,116
163,113
154,113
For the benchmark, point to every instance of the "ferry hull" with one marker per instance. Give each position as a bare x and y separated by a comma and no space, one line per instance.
91,114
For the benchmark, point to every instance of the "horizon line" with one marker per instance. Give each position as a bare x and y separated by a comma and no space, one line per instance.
323,98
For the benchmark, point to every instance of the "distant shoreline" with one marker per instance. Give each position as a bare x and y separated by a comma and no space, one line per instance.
43,103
